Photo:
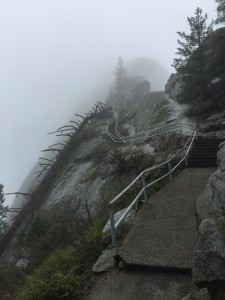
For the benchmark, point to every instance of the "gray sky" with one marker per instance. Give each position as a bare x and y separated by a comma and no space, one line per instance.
56,55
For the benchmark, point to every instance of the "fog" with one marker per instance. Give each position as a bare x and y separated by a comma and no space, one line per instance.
58,56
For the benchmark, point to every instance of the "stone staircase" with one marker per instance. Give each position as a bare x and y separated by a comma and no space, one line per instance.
204,153
159,250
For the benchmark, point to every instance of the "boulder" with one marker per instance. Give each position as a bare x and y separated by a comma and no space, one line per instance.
22,263
211,203
105,262
209,263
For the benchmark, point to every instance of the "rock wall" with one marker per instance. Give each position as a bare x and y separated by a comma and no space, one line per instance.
209,264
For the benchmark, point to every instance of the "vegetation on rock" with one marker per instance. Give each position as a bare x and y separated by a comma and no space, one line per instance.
220,11
3,211
193,57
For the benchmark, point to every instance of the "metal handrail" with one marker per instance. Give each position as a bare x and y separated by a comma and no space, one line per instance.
119,138
113,138
142,176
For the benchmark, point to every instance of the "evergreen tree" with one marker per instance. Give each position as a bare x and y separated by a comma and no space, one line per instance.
220,11
193,56
3,210
120,73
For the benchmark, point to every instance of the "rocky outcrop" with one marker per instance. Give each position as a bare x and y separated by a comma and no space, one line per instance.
174,85
209,264
210,253
199,106
215,122
211,202
105,261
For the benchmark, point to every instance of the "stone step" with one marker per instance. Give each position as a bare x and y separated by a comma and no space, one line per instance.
204,155
203,158
202,165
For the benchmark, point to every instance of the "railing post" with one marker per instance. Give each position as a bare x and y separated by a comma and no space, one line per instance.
195,129
144,186
170,168
112,225
185,155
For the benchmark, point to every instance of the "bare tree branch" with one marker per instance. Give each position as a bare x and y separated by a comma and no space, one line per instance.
52,149
42,165
49,160
80,116
57,144
65,134
75,122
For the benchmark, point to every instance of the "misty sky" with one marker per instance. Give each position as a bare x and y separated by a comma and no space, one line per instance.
58,55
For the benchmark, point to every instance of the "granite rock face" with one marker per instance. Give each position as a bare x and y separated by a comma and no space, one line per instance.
174,85
209,264
211,202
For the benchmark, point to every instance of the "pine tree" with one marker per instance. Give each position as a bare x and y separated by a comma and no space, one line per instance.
220,11
120,73
3,210
193,56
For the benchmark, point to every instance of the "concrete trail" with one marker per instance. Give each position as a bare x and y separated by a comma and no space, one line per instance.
160,246
165,229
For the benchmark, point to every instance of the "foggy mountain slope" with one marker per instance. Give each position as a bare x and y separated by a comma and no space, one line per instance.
87,176
83,175
154,109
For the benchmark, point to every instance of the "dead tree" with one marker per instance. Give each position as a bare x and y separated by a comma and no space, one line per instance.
28,197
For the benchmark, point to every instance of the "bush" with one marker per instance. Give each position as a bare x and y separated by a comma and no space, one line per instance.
124,161
65,272
55,278
49,230
36,229
11,277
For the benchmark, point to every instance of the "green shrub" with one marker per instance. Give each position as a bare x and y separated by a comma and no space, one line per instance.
124,161
56,278
11,277
49,230
65,272
221,295
37,228
146,161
